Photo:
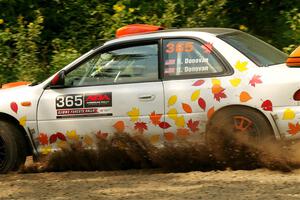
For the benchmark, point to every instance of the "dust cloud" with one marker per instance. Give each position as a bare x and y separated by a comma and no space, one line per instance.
123,151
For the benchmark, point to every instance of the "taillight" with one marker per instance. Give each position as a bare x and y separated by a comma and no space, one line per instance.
297,95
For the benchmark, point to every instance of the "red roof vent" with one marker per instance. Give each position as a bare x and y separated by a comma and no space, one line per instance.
134,29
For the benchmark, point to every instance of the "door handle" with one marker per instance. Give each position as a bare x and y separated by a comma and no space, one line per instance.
148,97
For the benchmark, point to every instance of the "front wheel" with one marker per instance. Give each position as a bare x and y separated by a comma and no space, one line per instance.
234,136
12,147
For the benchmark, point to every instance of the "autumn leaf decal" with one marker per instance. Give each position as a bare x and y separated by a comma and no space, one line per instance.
43,139
195,95
267,105
164,125
101,135
208,47
210,112
218,92
198,83
140,127
155,118
119,126
14,107
294,128
241,66
58,135
193,125
255,80
169,136
186,107
182,132
134,114
202,103
245,96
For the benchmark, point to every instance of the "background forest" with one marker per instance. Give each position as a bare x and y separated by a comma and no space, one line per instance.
38,37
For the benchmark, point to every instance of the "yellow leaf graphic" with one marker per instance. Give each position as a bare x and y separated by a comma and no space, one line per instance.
72,135
134,114
172,113
23,121
215,81
180,122
46,150
154,139
63,145
235,82
288,114
195,95
241,66
172,100
88,140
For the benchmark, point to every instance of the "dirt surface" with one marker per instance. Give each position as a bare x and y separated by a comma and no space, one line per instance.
152,184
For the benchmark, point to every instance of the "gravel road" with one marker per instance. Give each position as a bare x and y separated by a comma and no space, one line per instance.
152,184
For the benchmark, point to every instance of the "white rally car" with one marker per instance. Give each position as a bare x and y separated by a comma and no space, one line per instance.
167,85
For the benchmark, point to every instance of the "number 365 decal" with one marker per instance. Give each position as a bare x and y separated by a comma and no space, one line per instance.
84,100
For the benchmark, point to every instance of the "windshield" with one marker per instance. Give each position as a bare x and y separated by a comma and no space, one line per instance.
255,49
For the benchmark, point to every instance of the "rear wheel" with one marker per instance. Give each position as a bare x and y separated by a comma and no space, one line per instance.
12,147
234,136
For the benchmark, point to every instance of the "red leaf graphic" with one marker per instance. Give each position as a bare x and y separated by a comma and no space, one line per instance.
267,105
164,125
193,125
14,106
53,138
140,127
255,80
294,128
202,103
220,95
61,136
101,135
198,83
208,47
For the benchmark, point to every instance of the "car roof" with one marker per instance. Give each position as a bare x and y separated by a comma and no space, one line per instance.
167,32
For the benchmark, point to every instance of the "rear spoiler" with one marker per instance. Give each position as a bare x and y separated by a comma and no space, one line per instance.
294,58
14,84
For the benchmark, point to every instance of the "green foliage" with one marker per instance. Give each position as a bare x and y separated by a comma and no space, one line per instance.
37,38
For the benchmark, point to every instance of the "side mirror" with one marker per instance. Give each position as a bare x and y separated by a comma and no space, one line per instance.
59,80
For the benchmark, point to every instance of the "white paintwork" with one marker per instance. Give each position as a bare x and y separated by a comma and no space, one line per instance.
279,83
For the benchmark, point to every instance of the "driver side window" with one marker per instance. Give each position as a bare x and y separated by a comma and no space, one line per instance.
126,65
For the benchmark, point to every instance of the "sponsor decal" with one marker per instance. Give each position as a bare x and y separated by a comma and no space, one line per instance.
84,105
170,62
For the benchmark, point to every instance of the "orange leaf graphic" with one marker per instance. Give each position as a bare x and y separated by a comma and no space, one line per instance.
186,107
294,128
210,112
245,96
216,89
169,136
155,118
183,132
119,126
43,139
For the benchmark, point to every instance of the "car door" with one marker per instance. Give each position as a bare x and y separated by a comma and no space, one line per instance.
195,80
115,91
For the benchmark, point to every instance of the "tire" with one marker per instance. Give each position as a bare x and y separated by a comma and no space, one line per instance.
12,147
235,135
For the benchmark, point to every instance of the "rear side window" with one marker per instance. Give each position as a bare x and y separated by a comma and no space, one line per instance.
188,57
